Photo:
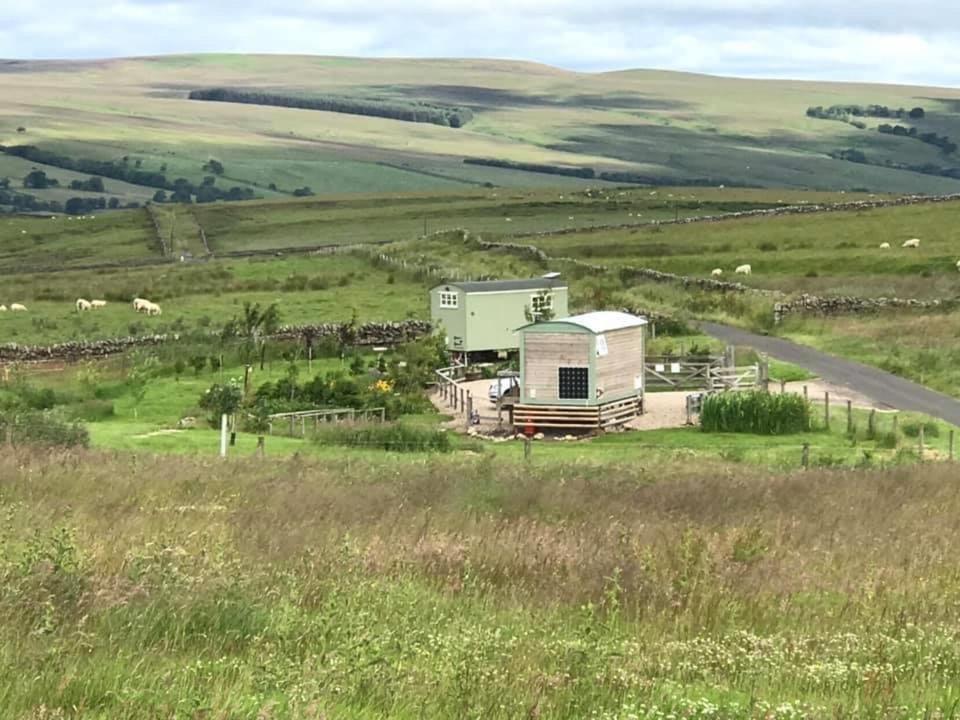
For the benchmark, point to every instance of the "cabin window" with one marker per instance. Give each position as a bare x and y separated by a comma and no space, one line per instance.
449,300
574,383
540,303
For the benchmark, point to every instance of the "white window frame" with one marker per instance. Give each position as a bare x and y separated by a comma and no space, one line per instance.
449,300
547,303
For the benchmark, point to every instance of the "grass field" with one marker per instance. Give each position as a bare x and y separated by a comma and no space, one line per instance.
203,296
357,588
660,124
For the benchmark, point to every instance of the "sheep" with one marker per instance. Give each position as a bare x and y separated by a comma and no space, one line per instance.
743,270
911,243
17,307
97,304
958,265
716,272
140,304
153,309
885,246
3,308
83,305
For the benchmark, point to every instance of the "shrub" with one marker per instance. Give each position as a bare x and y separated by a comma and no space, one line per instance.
755,412
91,410
767,247
930,429
396,437
42,428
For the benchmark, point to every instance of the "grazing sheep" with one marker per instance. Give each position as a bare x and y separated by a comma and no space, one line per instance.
140,304
716,272
83,305
884,246
153,309
743,270
17,307
3,308
958,264
96,304
911,243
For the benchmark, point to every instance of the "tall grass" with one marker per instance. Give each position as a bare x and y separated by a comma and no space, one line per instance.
755,412
394,436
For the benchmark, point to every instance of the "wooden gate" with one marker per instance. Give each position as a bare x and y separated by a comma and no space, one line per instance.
678,373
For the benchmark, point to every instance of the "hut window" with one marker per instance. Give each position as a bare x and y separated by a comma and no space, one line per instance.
542,302
449,300
574,383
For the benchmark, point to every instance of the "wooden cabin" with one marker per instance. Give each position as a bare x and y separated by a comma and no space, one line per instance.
584,371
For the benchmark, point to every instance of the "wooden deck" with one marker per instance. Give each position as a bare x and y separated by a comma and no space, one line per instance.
597,417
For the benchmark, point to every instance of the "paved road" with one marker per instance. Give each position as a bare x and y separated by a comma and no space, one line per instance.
872,382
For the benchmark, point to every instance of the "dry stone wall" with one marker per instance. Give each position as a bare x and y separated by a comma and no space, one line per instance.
848,305
389,333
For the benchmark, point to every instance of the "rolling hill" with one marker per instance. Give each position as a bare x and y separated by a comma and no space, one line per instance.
655,126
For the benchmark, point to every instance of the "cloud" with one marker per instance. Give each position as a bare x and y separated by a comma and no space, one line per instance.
880,41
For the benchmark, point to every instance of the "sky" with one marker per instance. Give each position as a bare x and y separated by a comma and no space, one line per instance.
915,42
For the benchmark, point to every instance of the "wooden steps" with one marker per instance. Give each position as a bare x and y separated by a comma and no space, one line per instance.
575,417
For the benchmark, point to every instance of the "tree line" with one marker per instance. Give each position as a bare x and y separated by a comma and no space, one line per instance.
420,112
858,156
589,173
580,172
178,190
844,112
941,141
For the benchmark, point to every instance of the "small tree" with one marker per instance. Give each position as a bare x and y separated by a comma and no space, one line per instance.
258,422
138,379
214,166
198,363
221,400
114,203
36,179
160,196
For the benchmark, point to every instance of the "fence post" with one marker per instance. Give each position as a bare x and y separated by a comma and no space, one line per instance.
896,424
527,445
920,443
223,435
805,456
783,387
849,417
469,408
806,394
872,423
951,446
826,409
463,404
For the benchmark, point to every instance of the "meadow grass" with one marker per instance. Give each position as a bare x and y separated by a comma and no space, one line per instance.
147,586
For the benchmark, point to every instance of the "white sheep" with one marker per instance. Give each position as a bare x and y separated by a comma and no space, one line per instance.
885,246
958,265
97,304
743,270
716,272
153,309
83,305
911,243
3,308
140,304
17,307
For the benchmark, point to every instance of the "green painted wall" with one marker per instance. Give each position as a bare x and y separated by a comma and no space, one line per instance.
488,320
452,322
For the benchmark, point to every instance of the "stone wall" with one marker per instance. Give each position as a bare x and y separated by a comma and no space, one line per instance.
846,305
389,333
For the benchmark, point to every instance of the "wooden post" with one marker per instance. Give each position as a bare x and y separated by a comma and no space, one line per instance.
849,417
896,424
499,411
826,409
469,408
527,444
463,397
950,451
872,423
261,446
223,435
806,394
805,456
783,387
920,443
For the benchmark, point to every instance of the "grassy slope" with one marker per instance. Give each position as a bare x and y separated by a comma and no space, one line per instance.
662,123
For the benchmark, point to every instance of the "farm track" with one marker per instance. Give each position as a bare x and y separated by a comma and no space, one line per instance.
879,385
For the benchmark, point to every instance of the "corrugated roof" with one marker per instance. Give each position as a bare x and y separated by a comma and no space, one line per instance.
503,285
604,321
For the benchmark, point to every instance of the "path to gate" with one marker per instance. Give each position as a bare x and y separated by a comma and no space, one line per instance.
872,382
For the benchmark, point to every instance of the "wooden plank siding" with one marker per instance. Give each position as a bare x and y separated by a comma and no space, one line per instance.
623,362
544,353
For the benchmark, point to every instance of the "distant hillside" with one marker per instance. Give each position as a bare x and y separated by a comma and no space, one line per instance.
524,119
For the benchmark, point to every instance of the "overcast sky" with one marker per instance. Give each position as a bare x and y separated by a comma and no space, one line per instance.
915,42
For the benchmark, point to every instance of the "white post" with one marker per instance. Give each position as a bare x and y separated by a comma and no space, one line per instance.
223,435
